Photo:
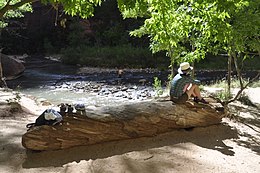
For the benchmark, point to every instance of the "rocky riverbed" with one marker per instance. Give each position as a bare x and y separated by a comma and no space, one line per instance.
53,81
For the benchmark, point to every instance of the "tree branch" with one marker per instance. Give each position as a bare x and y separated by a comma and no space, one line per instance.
8,7
242,89
238,71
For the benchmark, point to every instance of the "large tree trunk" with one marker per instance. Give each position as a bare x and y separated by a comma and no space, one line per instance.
120,122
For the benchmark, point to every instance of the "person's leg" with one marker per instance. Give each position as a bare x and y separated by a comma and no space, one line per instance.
193,90
197,92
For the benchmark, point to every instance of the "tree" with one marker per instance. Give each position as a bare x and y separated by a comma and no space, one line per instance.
10,9
185,29
83,8
178,24
16,8
243,38
189,29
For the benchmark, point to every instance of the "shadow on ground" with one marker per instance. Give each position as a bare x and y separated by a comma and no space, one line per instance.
250,117
208,137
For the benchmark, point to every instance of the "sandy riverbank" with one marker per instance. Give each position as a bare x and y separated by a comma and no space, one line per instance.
233,146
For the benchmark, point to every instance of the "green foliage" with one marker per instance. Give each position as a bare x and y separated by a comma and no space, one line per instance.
223,95
16,99
3,24
76,35
14,103
246,27
189,29
82,8
116,56
234,83
115,35
185,29
133,8
12,13
157,85
16,8
48,47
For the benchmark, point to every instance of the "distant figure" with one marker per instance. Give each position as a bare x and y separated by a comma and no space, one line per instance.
183,86
63,109
120,73
70,109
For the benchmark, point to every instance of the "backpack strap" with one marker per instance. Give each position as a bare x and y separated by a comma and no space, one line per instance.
30,125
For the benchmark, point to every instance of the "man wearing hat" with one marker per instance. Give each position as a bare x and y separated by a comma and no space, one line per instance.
183,86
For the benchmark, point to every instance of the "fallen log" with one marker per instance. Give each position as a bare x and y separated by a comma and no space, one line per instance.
148,118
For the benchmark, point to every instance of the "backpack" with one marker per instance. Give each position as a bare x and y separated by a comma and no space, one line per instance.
48,117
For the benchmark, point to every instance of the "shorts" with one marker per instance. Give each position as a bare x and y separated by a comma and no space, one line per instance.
182,99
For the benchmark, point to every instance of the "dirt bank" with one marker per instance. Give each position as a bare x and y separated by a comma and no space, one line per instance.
232,146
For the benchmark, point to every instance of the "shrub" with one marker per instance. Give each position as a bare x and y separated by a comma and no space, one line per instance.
117,56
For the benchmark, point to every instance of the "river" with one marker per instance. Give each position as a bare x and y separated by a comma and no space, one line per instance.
59,83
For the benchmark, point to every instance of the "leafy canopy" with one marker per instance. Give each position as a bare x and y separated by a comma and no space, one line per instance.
15,8
9,10
188,29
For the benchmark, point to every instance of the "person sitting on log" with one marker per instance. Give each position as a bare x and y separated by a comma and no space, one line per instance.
183,86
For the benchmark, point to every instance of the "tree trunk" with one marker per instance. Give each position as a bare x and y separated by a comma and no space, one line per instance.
120,122
172,62
238,72
193,70
229,74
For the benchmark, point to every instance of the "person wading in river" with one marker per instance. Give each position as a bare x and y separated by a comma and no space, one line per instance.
183,86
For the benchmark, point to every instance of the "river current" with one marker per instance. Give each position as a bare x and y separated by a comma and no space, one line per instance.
59,83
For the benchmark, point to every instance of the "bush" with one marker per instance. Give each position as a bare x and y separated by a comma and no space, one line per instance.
117,56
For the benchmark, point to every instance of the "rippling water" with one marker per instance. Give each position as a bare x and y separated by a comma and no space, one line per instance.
45,79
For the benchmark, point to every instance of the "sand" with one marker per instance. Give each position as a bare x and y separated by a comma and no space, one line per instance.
230,147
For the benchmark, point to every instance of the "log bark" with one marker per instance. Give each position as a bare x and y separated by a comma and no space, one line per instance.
143,119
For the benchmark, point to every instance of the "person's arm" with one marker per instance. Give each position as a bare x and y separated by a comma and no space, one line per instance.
190,80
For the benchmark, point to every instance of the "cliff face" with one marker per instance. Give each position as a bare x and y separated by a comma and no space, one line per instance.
46,28
31,33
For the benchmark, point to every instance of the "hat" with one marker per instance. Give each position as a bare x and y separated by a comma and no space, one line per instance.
185,66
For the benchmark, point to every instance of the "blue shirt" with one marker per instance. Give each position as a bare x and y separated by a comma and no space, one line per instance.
179,82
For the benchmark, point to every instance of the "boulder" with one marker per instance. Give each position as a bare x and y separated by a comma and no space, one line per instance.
128,121
12,68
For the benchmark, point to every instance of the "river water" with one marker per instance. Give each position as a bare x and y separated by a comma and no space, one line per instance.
59,83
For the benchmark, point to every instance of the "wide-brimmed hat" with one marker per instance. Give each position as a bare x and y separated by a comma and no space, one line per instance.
185,66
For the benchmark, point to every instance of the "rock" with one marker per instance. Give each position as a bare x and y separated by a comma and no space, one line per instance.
12,68
44,102
142,81
253,95
15,107
109,123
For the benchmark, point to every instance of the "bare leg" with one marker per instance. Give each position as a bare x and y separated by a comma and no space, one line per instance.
193,90
190,90
197,92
